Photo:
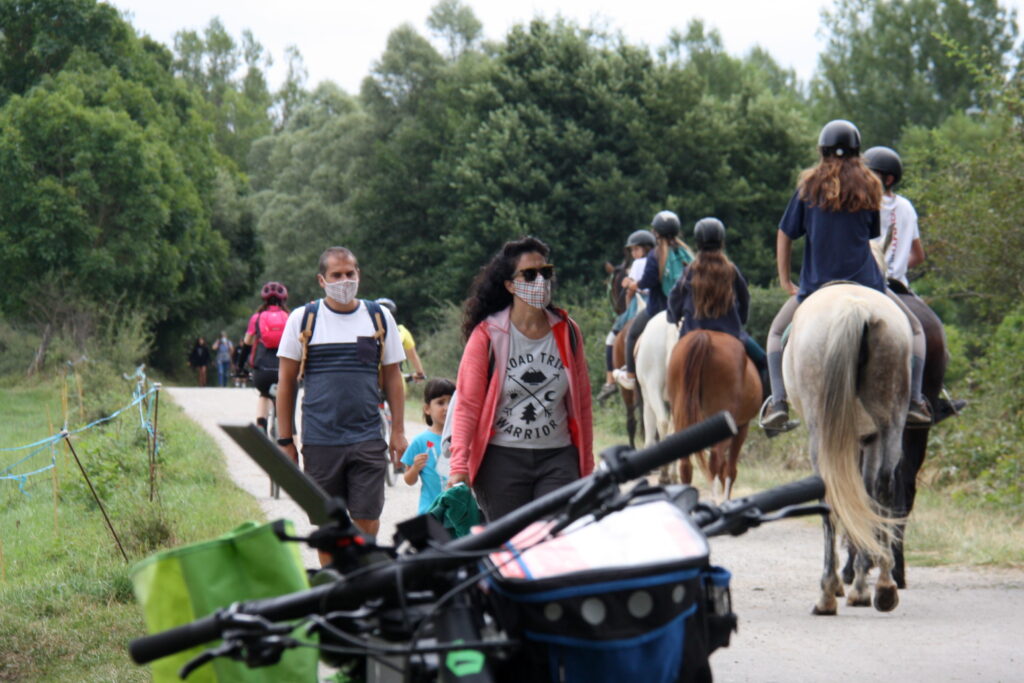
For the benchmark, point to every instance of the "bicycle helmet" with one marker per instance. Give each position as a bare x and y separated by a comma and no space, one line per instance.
885,162
666,224
274,290
388,304
641,238
839,138
709,234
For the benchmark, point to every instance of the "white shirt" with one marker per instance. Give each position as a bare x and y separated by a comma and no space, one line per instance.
636,271
898,216
340,328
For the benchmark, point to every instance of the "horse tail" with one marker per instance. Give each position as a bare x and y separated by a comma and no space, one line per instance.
839,452
697,355
696,359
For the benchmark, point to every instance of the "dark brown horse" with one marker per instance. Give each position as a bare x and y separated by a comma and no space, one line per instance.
709,372
915,440
617,294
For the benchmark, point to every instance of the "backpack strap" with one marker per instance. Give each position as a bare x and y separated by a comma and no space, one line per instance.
380,333
306,333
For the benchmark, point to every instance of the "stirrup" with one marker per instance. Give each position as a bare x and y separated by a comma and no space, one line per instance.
606,391
772,432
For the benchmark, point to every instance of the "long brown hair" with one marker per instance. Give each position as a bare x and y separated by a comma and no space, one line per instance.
661,251
841,184
712,277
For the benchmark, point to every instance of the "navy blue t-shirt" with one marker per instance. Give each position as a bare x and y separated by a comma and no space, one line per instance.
837,245
651,281
681,307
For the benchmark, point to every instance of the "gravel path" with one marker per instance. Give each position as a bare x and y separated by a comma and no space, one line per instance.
952,624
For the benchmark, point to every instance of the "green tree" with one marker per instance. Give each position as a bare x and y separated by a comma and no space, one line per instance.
456,25
885,65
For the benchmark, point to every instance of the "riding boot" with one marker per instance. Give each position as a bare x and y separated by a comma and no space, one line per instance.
919,412
777,413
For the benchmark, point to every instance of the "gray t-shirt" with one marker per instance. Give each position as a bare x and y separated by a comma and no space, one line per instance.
531,410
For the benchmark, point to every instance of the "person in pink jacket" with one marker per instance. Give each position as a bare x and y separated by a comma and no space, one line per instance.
523,423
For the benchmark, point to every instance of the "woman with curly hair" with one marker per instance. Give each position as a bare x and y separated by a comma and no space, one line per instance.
836,207
523,425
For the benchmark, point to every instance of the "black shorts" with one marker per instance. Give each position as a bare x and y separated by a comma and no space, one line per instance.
263,379
354,472
509,478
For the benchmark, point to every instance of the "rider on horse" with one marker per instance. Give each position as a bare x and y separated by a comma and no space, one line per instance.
901,240
639,244
713,294
836,206
659,276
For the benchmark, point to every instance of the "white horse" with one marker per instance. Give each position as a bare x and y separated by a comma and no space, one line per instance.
847,370
653,350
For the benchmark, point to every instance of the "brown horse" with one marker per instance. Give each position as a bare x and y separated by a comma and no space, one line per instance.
709,372
617,294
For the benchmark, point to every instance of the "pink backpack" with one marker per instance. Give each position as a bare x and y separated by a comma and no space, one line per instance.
269,327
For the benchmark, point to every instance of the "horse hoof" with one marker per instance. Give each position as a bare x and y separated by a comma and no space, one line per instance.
886,598
858,601
819,612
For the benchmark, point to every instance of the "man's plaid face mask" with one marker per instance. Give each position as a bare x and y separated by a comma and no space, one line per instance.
536,293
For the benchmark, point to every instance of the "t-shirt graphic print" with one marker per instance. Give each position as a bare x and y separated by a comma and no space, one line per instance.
531,411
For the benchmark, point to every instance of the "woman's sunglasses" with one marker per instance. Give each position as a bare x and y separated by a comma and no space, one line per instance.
547,271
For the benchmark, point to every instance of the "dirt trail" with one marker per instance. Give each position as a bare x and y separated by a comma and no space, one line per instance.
952,624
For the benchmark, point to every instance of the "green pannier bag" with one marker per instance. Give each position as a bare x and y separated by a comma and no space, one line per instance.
181,585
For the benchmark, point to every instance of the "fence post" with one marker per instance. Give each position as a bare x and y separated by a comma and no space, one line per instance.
152,457
67,438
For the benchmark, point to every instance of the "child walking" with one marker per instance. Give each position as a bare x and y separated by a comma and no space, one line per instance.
420,458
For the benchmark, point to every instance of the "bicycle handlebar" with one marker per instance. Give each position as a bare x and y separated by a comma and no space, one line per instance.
407,571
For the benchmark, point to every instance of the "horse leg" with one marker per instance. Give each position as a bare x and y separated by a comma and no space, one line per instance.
685,471
886,594
851,555
830,584
731,465
629,399
860,592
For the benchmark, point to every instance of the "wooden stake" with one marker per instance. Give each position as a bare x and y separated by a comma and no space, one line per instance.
110,526
64,398
55,476
3,565
152,458
81,402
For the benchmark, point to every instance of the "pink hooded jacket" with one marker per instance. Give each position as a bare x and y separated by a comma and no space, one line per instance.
477,398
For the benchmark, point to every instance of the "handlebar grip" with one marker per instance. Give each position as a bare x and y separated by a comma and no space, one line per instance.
794,493
148,648
701,435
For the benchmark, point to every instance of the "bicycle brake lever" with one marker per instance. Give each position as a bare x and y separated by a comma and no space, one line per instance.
797,511
225,648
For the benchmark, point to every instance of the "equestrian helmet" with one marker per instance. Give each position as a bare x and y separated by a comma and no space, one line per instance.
666,224
388,304
839,138
709,234
641,238
274,290
885,162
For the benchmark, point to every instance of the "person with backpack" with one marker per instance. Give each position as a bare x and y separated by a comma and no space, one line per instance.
263,335
345,349
663,268
522,425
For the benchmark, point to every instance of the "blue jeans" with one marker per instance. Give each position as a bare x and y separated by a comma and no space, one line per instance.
223,372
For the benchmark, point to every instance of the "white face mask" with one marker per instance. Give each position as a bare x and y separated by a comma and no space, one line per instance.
342,291
536,293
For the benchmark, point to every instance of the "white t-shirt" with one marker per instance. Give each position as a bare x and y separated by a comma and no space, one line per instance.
340,328
898,215
636,271
531,411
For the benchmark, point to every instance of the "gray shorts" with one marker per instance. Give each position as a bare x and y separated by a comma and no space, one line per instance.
354,472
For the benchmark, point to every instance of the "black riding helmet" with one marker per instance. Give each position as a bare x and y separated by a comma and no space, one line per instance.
885,162
641,238
666,224
709,234
839,138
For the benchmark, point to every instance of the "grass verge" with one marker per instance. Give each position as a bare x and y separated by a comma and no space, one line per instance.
68,605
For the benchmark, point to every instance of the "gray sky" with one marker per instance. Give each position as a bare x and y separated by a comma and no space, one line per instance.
340,39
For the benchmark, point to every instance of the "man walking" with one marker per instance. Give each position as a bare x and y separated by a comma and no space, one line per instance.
225,352
351,340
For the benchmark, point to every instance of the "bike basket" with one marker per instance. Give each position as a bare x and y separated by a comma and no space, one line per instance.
181,585
631,597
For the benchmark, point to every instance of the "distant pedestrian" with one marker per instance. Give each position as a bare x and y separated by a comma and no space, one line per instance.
199,359
225,351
